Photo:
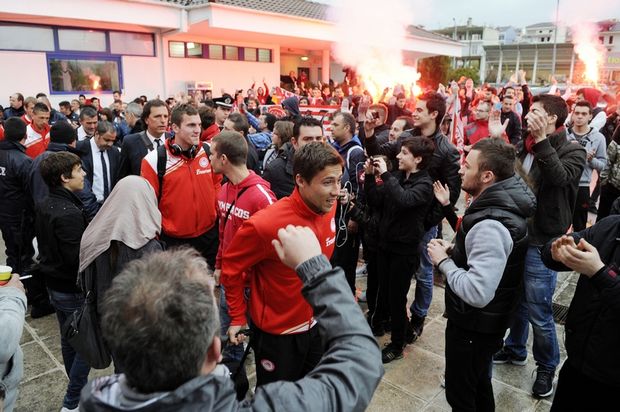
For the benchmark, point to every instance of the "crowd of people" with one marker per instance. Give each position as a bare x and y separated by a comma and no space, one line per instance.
142,210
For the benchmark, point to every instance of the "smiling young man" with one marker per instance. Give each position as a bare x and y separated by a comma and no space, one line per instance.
186,186
286,340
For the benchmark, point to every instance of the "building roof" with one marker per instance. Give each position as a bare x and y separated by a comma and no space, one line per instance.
548,24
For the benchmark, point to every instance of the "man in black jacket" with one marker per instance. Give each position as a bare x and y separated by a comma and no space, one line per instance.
60,223
16,211
137,145
513,130
279,173
554,166
444,166
590,377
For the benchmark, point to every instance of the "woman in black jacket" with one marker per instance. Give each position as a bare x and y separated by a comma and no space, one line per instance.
403,198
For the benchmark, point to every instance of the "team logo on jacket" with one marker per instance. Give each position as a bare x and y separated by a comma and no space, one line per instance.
203,162
268,365
332,225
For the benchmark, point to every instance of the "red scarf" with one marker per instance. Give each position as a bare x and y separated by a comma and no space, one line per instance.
530,142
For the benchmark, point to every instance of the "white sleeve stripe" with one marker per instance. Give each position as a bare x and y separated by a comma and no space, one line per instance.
262,189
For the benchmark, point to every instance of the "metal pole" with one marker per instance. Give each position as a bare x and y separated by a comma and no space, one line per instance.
555,37
454,38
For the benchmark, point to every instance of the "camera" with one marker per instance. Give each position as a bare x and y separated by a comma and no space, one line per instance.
375,115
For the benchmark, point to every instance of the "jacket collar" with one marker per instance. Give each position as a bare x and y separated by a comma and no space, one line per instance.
301,206
10,145
62,193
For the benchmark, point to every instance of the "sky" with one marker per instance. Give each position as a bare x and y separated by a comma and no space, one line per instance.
434,14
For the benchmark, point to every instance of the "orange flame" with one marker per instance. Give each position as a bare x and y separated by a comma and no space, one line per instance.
589,50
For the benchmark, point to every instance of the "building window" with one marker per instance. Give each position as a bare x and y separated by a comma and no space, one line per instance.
82,40
176,49
137,44
216,52
264,55
249,54
69,74
194,49
14,37
611,39
231,53
601,39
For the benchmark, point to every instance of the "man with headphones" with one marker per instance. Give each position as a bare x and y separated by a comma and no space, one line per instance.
186,186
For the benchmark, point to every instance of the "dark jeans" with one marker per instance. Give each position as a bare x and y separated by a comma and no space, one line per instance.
582,205
77,369
285,357
395,275
578,392
468,368
206,244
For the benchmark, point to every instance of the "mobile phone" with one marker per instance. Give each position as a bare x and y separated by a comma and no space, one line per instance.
375,115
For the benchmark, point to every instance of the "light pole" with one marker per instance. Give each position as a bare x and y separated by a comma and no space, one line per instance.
469,35
555,37
454,38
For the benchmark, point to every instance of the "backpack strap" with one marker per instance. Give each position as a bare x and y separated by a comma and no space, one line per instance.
147,142
206,148
162,159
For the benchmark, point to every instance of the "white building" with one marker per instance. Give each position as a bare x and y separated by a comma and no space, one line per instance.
544,33
155,48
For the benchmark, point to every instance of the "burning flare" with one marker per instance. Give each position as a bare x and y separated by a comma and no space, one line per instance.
371,39
589,50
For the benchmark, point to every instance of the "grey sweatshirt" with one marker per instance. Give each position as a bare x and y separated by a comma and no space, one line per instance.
487,245
12,313
592,140
344,380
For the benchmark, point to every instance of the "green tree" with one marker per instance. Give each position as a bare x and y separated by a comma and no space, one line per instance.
470,72
434,70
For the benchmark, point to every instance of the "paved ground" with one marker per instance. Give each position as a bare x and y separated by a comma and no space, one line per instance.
409,384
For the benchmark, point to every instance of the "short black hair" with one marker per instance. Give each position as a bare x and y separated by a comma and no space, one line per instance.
240,123
435,103
40,94
305,121
65,104
233,145
40,107
62,132
57,165
179,111
270,120
313,157
553,105
88,111
584,103
14,129
420,146
496,156
146,110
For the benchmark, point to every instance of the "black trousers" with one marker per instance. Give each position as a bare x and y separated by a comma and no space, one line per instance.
468,368
206,244
346,256
18,233
609,193
395,273
582,205
285,357
372,286
578,392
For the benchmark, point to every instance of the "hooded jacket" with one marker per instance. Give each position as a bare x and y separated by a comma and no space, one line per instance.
344,380
279,172
292,105
236,204
485,272
592,140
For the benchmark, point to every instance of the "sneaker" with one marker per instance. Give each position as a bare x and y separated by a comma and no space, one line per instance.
414,329
391,352
442,380
543,385
65,409
361,271
506,356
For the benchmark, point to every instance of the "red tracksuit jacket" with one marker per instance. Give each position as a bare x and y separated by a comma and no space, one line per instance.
276,304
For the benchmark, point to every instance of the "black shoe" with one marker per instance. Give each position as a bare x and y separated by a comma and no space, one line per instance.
506,356
543,385
378,330
391,352
414,328
40,310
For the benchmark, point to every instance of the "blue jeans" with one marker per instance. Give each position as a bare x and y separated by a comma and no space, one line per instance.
77,369
539,285
230,352
424,277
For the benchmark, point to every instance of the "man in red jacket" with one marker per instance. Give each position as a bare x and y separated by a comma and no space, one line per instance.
188,191
285,340
244,194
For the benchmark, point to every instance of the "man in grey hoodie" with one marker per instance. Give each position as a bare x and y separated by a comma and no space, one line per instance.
12,312
162,330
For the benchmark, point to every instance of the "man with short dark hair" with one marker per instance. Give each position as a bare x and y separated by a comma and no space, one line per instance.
280,171
237,122
16,108
88,123
60,223
186,186
507,109
38,131
137,145
169,351
554,165
286,342
398,109
67,111
244,194
484,270
101,160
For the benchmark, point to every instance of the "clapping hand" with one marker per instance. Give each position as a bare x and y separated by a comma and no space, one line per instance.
582,257
496,127
442,193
